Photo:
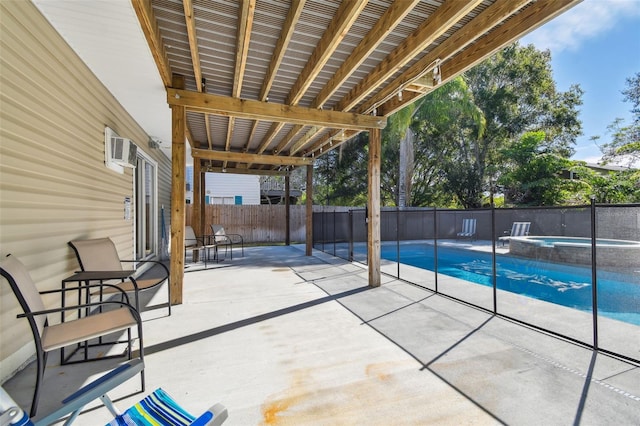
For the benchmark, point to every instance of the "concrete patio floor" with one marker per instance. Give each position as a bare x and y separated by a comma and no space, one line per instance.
284,339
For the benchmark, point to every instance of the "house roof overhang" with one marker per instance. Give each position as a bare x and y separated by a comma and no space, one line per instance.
270,85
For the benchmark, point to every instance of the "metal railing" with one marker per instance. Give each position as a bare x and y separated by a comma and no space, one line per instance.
575,275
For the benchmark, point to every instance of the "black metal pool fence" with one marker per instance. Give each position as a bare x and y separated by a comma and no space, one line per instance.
342,232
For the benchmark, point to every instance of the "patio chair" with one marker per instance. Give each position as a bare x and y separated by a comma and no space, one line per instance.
468,229
518,229
50,337
158,406
100,254
199,245
221,237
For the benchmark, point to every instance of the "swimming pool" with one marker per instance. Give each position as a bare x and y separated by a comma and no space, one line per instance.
566,285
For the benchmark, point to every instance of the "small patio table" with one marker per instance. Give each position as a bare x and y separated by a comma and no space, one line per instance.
87,277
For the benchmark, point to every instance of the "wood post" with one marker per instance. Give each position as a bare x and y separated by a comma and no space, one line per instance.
287,209
196,217
309,224
178,167
373,208
203,209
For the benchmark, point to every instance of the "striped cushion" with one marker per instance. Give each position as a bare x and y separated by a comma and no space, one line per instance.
157,409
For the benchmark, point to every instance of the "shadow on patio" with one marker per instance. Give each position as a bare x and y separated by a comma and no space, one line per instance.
281,338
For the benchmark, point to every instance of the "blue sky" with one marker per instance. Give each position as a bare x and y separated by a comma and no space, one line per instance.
596,44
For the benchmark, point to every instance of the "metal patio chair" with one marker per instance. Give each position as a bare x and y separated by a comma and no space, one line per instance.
100,254
201,246
222,237
50,337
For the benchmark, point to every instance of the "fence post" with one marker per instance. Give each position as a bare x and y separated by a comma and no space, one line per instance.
493,256
594,274
350,235
435,246
398,239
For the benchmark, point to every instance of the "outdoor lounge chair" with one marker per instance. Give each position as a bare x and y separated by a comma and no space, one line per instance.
158,406
221,237
100,254
468,229
518,229
201,246
50,337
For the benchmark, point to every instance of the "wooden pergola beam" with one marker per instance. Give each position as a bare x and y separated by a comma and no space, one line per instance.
243,37
241,157
193,41
447,15
378,33
462,38
344,18
541,11
281,47
276,59
151,31
245,171
256,110
383,27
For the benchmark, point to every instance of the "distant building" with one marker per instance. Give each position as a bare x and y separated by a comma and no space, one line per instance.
226,188
598,168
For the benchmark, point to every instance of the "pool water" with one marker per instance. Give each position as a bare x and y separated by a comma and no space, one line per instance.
618,293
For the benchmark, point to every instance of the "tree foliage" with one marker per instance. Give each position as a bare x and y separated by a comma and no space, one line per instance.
624,147
466,134
536,176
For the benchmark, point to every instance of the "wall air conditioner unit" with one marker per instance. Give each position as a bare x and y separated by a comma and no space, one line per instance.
123,151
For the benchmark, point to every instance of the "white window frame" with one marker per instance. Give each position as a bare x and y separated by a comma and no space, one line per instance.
140,224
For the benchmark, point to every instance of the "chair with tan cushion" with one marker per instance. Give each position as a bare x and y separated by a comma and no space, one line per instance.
100,254
113,317
199,246
222,237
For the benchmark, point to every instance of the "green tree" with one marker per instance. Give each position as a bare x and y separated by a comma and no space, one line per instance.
611,188
340,176
535,177
624,147
448,124
516,92
461,130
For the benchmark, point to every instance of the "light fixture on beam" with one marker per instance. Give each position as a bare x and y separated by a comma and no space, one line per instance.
437,75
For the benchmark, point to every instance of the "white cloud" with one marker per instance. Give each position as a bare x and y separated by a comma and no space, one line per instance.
581,23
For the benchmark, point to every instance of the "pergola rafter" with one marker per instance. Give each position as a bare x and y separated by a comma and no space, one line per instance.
297,79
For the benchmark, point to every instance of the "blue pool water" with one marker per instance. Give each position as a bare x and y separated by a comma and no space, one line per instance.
618,294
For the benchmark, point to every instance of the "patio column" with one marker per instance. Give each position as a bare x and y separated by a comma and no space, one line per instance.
287,211
203,205
196,209
309,209
373,208
178,213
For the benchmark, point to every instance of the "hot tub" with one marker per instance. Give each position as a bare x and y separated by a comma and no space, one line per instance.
577,250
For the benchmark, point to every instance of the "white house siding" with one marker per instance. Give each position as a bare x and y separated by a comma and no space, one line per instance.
226,186
54,186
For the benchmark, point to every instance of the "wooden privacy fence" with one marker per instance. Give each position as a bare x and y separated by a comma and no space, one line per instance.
256,223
